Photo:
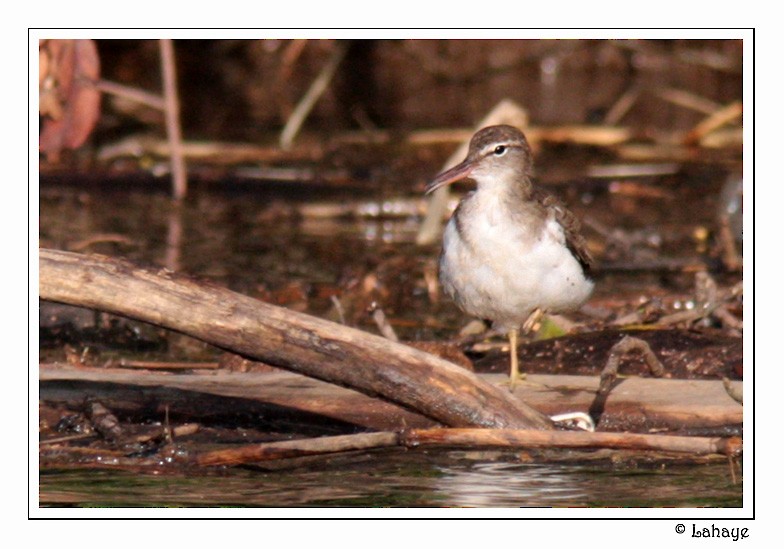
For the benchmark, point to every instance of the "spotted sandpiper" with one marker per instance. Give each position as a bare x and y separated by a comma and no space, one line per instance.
511,252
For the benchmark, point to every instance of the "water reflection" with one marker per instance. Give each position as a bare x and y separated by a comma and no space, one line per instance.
511,485
403,479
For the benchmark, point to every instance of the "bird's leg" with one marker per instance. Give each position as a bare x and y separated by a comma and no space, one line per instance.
532,320
514,372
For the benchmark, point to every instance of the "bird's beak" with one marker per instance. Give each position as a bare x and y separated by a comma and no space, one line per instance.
461,171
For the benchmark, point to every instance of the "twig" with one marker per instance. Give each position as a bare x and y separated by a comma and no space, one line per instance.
134,94
689,100
383,324
85,243
727,318
712,59
289,57
174,236
217,152
296,448
633,170
68,438
706,304
599,136
609,374
713,122
317,88
150,365
172,112
174,432
339,308
624,103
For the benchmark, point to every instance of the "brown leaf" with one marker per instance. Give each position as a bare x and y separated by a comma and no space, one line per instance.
70,103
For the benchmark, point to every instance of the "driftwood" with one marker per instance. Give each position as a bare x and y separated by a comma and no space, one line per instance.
249,453
294,341
512,438
635,403
472,438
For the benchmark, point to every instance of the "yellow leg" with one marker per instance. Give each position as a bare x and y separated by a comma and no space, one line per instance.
514,373
533,318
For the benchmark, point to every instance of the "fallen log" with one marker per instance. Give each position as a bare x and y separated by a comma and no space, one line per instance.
294,341
635,404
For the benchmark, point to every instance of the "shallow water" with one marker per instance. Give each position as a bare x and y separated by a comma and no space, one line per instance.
406,479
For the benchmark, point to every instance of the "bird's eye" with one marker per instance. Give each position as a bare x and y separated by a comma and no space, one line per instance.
500,150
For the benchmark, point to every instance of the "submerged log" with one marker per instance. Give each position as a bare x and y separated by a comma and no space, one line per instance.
294,341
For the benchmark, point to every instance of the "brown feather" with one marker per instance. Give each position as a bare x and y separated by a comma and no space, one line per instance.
571,225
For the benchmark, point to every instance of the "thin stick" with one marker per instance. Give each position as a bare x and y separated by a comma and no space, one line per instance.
316,90
719,118
689,100
150,365
133,94
609,374
172,112
67,438
297,448
624,103
383,325
85,243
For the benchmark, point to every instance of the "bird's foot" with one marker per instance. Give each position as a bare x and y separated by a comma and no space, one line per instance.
514,380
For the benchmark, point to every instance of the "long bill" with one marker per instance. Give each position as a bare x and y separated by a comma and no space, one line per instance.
461,171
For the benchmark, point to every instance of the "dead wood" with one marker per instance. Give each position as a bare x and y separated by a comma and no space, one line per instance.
635,404
151,365
250,453
609,374
512,438
717,119
280,337
133,94
308,101
216,152
472,438
171,111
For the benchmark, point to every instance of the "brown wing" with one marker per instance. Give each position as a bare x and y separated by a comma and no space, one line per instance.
571,225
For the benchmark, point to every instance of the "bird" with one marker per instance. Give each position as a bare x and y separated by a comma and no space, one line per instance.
511,252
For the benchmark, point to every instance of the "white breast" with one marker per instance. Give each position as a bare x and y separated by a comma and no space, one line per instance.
498,271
